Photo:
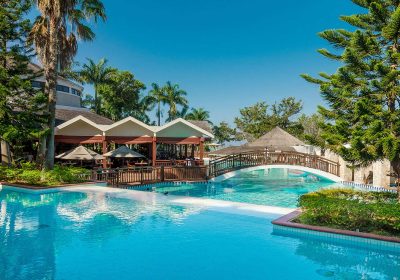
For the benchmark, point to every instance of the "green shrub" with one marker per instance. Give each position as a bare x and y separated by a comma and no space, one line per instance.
376,212
31,177
28,173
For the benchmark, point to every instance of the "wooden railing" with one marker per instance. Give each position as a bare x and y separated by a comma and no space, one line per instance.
181,162
148,174
233,162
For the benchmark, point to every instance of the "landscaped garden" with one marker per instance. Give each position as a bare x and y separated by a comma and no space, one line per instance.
29,174
347,209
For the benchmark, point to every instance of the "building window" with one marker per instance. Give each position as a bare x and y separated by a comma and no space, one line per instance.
76,92
37,84
62,88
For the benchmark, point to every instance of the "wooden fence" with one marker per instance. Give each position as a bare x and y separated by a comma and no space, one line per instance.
149,174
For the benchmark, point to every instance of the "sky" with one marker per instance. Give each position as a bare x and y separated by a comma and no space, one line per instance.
227,54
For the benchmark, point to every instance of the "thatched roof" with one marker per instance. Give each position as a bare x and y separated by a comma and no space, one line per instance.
63,115
203,125
277,139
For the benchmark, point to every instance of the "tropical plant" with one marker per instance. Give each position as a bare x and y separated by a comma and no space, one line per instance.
223,133
20,104
145,105
362,121
121,97
157,97
312,131
198,114
96,75
373,212
174,97
254,121
55,33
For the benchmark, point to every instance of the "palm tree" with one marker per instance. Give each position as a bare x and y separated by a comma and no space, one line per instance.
156,97
145,104
174,97
198,114
55,34
183,112
96,74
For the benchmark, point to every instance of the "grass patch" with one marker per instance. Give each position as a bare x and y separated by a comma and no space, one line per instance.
29,174
370,212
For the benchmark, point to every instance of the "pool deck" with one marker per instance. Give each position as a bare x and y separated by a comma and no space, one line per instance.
286,221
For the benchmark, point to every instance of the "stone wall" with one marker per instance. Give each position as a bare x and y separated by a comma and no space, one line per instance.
379,169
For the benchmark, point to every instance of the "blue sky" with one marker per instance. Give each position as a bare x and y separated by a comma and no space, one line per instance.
226,54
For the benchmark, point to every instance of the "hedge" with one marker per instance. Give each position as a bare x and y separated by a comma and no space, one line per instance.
27,173
372,212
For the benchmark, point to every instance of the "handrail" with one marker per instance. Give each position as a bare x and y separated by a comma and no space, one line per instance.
150,174
232,162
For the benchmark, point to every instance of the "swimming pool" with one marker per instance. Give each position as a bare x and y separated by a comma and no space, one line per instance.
104,233
274,187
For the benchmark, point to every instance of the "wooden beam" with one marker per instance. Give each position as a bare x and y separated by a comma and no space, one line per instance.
201,148
104,150
130,139
154,152
173,140
78,139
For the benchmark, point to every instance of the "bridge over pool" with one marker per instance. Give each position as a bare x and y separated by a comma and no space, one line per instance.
227,165
219,168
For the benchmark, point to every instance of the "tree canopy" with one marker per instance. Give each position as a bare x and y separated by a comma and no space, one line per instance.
256,120
363,116
20,104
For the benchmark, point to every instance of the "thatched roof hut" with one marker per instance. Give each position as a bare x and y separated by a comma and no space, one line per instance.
276,139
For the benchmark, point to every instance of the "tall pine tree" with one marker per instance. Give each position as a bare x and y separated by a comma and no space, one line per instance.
363,117
19,102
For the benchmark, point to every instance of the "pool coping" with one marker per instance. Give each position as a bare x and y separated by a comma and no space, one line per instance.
287,221
38,187
47,189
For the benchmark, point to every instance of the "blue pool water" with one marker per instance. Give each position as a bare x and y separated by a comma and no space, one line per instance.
106,235
274,187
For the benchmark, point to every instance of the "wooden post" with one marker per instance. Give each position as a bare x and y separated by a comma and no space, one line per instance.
104,150
186,151
162,175
201,148
192,152
154,151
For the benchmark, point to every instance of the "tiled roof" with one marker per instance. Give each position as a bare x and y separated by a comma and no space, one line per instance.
63,115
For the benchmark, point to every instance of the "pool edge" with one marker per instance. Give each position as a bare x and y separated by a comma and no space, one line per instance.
286,221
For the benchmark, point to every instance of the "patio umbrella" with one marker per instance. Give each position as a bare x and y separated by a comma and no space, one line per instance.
123,152
80,153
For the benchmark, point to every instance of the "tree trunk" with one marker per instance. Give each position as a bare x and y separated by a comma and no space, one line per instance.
159,113
50,73
396,170
96,105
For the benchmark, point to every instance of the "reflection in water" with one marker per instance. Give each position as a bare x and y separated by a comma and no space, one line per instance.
97,235
32,225
337,262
